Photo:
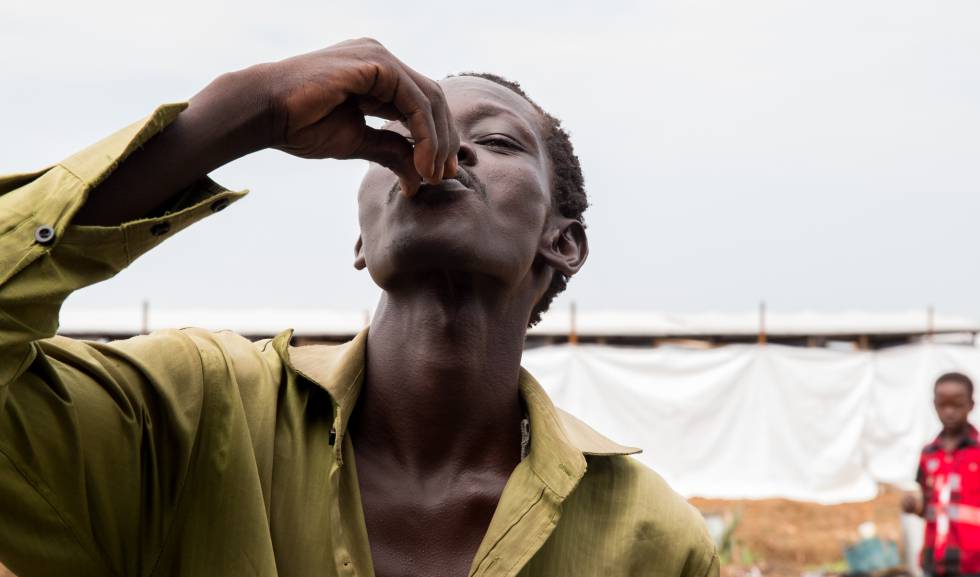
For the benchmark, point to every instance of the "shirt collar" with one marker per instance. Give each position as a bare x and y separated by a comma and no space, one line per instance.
971,439
559,441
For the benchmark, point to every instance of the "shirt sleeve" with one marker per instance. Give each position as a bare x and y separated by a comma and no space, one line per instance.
95,439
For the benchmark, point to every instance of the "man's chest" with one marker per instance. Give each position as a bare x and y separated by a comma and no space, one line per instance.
426,527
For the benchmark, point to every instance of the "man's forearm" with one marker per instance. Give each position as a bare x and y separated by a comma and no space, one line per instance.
225,121
311,105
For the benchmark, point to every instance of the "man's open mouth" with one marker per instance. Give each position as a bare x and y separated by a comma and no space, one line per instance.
445,191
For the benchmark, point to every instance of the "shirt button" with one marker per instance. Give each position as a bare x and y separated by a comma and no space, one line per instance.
160,228
44,234
219,204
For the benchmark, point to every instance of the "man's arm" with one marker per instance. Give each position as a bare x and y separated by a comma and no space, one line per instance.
219,125
311,106
95,439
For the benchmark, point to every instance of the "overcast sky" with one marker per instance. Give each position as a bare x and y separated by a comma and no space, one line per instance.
821,155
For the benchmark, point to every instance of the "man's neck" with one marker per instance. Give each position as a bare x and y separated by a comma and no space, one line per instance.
441,383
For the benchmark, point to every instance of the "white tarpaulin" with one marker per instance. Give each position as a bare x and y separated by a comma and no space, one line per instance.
746,421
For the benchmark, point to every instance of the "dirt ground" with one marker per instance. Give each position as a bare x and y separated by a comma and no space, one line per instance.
783,538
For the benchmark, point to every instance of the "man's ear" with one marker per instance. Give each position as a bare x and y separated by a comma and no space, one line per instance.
564,246
359,262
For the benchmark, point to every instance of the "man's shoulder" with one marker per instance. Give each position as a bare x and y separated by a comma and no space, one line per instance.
651,499
612,464
630,501
619,485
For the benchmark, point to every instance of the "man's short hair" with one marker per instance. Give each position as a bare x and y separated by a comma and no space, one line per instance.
567,183
956,378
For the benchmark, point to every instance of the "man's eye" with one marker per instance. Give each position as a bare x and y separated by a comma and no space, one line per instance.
500,142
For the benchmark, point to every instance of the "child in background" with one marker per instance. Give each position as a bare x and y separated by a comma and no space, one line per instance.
949,478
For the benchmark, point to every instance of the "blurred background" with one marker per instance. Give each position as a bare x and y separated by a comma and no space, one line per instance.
782,230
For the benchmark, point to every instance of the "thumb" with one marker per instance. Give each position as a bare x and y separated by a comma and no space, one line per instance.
394,152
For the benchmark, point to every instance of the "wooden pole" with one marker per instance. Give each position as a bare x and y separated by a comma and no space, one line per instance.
864,343
762,323
573,329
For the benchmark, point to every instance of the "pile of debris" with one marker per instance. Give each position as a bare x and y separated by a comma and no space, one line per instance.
783,538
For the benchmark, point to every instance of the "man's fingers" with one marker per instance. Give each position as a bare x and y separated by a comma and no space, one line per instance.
371,107
394,152
396,83
363,73
452,162
417,109
447,141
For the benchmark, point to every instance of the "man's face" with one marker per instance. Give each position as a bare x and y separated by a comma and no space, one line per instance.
953,404
489,221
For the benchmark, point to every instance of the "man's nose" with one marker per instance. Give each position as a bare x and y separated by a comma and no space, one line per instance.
466,155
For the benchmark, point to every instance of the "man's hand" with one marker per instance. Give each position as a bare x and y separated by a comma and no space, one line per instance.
319,101
912,503
313,106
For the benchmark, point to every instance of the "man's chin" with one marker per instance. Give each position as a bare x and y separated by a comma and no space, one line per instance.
426,255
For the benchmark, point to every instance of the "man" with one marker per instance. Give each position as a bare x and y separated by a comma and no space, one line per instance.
196,453
949,477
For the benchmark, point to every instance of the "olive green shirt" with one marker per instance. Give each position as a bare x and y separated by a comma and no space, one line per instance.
194,453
